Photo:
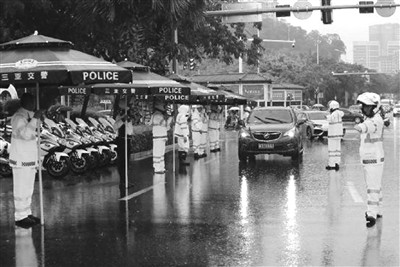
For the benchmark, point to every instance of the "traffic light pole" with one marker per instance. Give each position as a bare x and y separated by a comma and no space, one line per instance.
291,9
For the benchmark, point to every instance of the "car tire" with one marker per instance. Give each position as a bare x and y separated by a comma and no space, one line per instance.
357,120
309,133
298,154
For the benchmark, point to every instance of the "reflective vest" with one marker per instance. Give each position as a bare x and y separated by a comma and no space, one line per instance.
23,151
181,125
197,123
371,144
335,127
214,122
160,125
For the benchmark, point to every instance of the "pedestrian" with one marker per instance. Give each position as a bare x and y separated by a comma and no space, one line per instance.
371,153
182,133
24,159
213,127
196,126
246,114
123,121
204,131
161,122
335,134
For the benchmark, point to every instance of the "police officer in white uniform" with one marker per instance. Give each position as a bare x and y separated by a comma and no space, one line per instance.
161,123
24,159
335,134
213,128
182,133
196,126
371,153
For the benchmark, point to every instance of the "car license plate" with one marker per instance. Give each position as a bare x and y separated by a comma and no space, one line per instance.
265,146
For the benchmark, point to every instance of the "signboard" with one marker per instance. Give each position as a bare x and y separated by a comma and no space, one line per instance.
241,18
74,90
253,91
278,95
171,93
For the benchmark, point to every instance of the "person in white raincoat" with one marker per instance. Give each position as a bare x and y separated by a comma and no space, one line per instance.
335,134
24,159
372,154
182,133
246,113
204,132
161,123
196,126
213,128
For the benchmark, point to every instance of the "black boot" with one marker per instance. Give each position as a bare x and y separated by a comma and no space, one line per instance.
370,220
196,156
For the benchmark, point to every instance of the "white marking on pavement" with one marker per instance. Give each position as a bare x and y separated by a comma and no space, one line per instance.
141,192
354,193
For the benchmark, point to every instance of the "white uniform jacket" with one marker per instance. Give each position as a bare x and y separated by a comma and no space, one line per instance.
160,125
181,125
214,122
197,123
371,144
204,126
335,128
23,151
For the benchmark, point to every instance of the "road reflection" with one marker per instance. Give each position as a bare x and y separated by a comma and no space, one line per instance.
25,252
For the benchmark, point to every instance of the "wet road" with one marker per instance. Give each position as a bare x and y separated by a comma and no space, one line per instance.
270,212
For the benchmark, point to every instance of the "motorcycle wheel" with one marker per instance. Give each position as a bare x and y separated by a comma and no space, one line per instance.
78,165
104,158
5,170
58,169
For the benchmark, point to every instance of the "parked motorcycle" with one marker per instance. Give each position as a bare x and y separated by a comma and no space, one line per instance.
79,157
108,137
99,142
53,159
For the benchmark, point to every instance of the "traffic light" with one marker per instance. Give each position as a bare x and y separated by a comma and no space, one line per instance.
192,64
326,14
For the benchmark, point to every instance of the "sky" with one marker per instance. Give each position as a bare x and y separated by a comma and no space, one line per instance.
349,24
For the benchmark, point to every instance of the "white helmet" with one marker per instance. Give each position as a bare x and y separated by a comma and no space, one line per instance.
248,109
183,109
370,99
333,104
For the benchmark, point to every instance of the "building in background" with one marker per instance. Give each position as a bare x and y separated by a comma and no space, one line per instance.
382,51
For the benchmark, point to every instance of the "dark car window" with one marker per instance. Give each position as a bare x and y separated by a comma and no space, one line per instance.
317,116
272,116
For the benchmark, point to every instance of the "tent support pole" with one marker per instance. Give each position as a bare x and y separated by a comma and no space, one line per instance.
84,106
126,145
39,159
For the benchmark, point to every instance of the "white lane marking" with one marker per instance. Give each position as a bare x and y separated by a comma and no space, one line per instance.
354,193
141,192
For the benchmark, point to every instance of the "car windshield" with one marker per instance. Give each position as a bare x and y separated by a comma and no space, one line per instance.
317,115
271,116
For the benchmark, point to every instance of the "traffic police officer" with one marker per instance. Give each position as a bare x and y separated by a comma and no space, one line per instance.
182,133
196,125
161,122
213,128
24,159
371,153
335,134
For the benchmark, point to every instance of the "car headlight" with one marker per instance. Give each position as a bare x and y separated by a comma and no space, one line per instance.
290,133
317,125
244,134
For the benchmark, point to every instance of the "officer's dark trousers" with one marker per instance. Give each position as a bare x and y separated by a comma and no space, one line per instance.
120,142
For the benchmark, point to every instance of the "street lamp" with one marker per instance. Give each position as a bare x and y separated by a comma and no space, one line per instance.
318,42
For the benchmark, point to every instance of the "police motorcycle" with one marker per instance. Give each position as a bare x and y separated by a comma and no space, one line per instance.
108,137
5,168
73,131
78,156
53,158
100,143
